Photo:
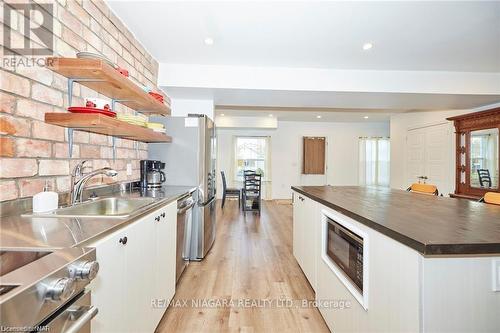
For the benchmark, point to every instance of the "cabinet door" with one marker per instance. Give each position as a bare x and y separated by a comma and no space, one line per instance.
165,252
139,275
297,227
108,288
310,246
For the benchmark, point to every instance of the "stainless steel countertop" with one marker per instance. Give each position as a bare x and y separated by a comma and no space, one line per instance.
20,232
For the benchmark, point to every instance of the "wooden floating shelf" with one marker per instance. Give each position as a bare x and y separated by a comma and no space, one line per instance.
111,83
98,123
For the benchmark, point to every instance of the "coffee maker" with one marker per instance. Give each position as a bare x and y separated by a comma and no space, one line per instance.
152,175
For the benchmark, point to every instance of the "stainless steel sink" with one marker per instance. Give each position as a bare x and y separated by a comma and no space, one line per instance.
106,207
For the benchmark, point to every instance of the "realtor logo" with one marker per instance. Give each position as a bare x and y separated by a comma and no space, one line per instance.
35,22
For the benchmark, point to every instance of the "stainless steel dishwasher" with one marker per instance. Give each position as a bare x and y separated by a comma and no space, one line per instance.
184,223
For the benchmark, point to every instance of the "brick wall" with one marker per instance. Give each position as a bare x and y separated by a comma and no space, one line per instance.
32,151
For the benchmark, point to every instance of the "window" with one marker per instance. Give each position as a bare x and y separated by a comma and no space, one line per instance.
374,161
252,153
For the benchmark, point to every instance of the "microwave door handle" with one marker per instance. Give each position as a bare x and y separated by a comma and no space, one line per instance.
349,233
82,320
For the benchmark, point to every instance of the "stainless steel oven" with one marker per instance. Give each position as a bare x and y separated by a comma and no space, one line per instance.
345,249
74,317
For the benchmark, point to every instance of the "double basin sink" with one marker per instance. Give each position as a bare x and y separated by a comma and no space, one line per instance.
115,207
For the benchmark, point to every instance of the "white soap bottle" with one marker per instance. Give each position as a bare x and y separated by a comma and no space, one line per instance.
45,201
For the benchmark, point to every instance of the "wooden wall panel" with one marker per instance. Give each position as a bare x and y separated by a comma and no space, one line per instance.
314,149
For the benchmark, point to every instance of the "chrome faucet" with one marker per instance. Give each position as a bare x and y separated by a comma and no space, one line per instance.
79,179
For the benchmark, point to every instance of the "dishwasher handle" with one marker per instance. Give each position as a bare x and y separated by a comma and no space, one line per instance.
83,319
184,208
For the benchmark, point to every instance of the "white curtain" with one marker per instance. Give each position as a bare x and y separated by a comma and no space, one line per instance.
374,155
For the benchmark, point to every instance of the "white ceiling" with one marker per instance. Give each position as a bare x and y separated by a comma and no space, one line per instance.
369,101
307,115
421,35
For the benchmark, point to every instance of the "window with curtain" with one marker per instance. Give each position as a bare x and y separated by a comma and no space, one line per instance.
374,158
251,153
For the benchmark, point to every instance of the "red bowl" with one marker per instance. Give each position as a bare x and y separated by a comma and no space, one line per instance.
83,109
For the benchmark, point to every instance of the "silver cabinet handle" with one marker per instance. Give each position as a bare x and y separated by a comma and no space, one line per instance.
82,320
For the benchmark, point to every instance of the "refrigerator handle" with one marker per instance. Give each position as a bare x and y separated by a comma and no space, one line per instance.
200,204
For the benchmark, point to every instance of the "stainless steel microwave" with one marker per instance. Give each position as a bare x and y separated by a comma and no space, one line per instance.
345,249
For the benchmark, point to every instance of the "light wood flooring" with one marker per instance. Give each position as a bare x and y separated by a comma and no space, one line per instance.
250,261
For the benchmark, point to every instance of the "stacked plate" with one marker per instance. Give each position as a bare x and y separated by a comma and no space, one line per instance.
157,127
139,120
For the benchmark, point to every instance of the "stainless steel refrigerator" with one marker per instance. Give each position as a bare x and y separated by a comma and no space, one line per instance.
190,161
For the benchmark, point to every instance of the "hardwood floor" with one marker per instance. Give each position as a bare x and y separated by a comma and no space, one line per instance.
251,261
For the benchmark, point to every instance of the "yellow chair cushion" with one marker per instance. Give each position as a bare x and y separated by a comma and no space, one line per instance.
423,188
492,198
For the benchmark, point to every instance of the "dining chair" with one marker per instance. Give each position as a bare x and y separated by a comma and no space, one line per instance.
491,198
252,191
229,192
423,189
484,177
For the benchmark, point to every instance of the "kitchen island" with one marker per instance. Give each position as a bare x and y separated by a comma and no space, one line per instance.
403,261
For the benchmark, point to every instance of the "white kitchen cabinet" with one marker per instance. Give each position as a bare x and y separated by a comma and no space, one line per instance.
137,272
306,242
165,252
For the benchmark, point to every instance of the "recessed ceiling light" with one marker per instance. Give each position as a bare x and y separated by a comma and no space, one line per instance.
209,41
222,114
366,117
367,46
319,117
270,115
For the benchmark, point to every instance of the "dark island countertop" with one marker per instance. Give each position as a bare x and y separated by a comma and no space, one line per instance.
431,225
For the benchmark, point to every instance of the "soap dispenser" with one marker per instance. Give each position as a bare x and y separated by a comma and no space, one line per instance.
45,201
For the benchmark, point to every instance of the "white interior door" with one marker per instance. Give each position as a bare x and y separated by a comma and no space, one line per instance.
429,154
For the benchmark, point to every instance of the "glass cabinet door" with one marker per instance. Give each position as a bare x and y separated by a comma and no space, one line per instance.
484,158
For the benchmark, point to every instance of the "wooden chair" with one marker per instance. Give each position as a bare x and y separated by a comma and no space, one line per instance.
484,177
423,189
229,192
491,198
252,191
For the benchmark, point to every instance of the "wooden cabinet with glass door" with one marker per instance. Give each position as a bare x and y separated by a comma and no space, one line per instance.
477,153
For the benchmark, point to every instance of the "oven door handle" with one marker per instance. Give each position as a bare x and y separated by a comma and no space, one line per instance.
348,232
82,320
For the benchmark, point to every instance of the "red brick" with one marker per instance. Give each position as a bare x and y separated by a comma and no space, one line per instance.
63,183
98,139
76,9
81,137
17,167
8,190
32,148
73,39
47,95
47,131
53,167
40,74
69,20
14,83
31,186
61,150
32,109
7,103
14,126
87,151
6,147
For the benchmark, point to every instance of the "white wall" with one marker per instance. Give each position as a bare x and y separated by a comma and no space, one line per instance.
286,159
402,122
183,107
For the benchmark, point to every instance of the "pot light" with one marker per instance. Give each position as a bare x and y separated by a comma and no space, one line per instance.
270,115
209,41
366,117
319,117
222,114
367,46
